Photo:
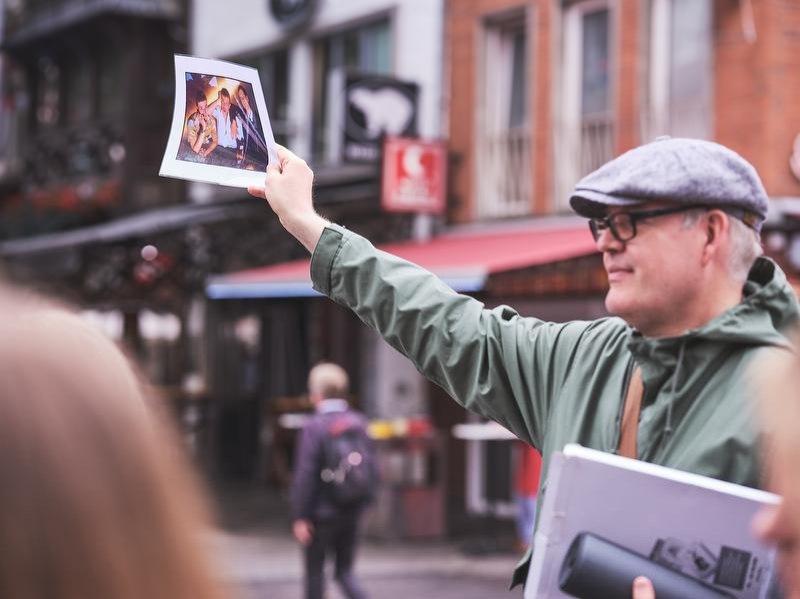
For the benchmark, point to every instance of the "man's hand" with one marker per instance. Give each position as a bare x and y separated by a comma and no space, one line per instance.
304,530
643,588
287,188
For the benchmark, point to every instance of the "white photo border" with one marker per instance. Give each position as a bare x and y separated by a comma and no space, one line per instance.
207,173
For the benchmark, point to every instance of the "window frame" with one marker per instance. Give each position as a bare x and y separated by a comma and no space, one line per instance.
328,106
495,43
568,140
659,106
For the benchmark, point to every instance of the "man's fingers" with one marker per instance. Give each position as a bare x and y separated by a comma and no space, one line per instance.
766,524
255,190
284,156
273,169
287,157
643,588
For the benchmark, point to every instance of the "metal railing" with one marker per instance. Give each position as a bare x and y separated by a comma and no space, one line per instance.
504,173
597,143
583,144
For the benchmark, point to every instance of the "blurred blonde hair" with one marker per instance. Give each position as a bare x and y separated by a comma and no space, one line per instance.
96,498
329,381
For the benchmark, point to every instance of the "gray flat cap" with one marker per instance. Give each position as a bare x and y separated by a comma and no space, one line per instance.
675,170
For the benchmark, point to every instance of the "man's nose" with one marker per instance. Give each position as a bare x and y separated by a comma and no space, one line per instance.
606,242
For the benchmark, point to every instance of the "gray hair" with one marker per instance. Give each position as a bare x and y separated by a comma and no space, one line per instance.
745,249
745,244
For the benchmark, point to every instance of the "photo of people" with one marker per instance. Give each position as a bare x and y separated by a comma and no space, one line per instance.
217,124
224,129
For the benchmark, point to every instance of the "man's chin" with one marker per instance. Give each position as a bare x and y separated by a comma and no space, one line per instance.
616,304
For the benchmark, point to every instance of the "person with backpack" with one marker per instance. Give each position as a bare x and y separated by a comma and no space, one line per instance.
335,477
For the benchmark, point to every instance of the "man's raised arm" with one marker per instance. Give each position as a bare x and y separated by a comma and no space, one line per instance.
287,189
493,362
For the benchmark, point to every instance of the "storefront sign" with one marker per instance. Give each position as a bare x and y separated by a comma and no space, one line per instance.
291,14
414,177
376,107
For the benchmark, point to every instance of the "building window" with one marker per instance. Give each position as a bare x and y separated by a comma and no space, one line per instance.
680,78
503,174
110,82
48,95
587,136
79,91
364,49
273,69
13,116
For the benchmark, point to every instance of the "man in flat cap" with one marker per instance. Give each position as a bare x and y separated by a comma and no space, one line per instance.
663,380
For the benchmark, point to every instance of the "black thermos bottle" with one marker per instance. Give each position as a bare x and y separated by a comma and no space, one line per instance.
595,568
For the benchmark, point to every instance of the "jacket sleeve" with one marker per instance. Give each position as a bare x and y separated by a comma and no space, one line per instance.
494,362
305,474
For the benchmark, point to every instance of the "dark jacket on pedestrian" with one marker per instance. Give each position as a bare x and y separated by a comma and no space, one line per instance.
558,383
310,496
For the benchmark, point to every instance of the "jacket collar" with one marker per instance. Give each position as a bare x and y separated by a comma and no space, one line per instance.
327,406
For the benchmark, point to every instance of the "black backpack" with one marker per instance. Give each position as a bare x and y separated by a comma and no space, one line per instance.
349,471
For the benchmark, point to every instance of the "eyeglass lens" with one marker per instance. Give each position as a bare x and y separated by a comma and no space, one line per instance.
621,225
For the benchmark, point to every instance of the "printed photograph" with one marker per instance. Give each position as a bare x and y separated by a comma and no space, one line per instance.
220,131
222,126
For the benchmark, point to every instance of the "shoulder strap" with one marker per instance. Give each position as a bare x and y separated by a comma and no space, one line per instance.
630,415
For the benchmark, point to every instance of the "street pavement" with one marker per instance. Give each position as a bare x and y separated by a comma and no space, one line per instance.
267,565
261,560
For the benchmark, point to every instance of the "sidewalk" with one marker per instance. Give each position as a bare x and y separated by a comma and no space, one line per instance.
269,565
261,559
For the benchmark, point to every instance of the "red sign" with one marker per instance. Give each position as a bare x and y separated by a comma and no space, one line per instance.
414,175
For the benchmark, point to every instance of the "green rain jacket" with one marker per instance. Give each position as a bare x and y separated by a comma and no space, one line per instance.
558,383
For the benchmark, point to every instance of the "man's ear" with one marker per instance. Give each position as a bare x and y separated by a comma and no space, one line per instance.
717,226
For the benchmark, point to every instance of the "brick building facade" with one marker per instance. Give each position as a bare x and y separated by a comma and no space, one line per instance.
741,59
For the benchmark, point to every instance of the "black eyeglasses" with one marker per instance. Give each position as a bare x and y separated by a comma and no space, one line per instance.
623,224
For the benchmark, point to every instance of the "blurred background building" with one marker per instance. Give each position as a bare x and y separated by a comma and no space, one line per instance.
212,295
87,93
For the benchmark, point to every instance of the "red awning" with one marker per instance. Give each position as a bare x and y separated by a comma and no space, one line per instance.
463,260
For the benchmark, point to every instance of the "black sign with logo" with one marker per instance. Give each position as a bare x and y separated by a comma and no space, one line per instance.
291,14
376,106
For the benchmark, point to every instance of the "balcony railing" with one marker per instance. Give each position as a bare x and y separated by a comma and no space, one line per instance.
504,173
583,145
72,152
597,143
